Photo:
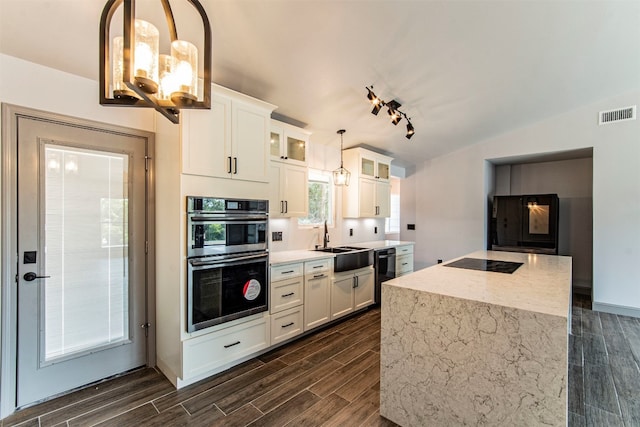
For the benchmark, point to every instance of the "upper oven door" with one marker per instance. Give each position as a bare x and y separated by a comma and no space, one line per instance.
212,234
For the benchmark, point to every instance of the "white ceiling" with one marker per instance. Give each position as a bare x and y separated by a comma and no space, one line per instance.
463,70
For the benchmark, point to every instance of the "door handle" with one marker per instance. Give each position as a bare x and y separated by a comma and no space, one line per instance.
31,276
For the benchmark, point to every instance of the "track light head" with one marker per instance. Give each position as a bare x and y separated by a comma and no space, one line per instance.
410,130
375,101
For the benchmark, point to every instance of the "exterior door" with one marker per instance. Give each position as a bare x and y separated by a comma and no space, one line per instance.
81,256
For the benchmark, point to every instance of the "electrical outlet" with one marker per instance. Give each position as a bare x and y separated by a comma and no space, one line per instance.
439,261
375,230
351,232
411,226
276,236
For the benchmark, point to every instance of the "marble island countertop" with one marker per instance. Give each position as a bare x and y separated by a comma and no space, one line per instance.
300,255
539,285
469,347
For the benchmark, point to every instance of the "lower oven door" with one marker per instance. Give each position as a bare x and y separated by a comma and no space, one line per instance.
221,289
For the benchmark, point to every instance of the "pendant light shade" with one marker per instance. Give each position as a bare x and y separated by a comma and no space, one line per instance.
341,176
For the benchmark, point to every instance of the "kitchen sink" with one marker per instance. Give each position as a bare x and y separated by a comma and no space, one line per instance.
349,257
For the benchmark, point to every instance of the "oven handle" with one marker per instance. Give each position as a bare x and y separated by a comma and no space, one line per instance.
248,219
226,261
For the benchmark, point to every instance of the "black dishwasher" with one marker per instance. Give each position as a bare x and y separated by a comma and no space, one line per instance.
385,264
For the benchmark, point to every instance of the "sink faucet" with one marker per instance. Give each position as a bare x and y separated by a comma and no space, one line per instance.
325,240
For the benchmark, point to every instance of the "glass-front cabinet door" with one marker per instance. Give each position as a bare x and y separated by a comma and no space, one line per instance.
296,149
367,167
276,142
383,170
371,167
288,143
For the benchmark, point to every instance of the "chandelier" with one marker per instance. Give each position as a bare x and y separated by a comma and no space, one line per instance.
133,73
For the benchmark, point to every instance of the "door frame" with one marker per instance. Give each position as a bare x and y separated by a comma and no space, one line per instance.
9,238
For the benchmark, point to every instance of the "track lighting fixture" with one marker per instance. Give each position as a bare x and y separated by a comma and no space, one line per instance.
392,109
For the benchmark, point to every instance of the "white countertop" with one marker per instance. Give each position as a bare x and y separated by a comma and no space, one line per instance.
542,284
285,257
381,244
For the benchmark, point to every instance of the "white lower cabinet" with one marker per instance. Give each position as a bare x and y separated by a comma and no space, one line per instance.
404,260
286,301
286,324
207,352
317,293
352,290
286,294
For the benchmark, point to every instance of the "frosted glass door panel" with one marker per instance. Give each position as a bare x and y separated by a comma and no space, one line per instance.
86,229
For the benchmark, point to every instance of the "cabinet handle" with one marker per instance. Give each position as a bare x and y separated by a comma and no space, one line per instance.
235,165
288,324
317,276
286,206
288,295
287,272
231,345
405,263
286,158
229,169
281,206
282,157
318,266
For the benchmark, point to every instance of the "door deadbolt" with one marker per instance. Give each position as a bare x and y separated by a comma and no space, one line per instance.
31,276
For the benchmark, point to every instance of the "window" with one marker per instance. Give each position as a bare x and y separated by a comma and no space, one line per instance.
320,199
392,223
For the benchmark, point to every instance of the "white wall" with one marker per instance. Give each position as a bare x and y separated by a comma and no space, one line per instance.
451,193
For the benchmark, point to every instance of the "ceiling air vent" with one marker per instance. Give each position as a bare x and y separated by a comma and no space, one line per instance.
628,113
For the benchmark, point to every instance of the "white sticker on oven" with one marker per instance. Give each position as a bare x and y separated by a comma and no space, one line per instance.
251,289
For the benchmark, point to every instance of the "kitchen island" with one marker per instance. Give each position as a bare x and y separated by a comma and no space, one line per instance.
469,347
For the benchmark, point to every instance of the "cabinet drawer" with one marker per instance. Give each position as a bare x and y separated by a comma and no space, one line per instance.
286,294
402,250
318,266
404,264
286,324
207,352
286,271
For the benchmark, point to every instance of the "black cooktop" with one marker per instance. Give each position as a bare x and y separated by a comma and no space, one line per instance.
485,265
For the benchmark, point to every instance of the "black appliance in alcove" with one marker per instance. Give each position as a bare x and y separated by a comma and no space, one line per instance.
524,223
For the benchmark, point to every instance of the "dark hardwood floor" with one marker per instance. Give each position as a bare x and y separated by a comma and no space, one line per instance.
332,378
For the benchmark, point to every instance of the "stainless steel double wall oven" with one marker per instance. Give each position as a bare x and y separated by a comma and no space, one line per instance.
227,260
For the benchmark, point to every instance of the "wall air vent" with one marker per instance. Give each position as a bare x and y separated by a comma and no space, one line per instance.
627,113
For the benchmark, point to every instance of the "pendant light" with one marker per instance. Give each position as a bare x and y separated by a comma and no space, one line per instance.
133,72
341,176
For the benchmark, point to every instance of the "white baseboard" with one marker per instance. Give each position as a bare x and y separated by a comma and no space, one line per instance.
616,309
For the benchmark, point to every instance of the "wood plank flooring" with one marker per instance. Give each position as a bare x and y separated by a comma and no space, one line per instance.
332,378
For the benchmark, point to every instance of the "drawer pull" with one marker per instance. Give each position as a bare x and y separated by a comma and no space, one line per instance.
288,295
317,276
288,324
287,272
318,266
231,345
405,263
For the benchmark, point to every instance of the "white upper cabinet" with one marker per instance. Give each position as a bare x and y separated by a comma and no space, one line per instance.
369,193
229,141
374,166
288,143
289,193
